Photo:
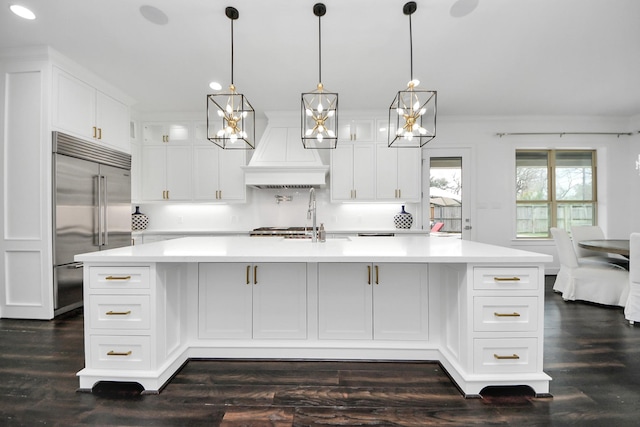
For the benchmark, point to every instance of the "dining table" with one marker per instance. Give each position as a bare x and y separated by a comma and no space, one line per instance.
612,246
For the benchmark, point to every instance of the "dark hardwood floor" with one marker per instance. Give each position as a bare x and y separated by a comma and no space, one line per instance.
591,352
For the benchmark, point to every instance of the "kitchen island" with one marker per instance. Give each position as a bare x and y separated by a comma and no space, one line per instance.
476,309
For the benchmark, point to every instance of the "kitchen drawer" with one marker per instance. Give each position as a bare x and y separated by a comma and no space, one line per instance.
119,311
524,278
505,314
120,352
119,277
505,355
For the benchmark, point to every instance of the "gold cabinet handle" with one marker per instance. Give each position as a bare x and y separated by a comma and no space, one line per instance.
506,279
399,193
377,275
255,274
368,274
167,194
514,314
118,278
119,353
99,133
95,132
508,357
118,313
248,270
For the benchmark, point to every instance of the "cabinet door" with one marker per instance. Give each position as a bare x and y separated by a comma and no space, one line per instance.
386,172
153,166
162,133
231,175
178,172
342,172
205,172
280,301
364,171
409,174
225,301
400,302
112,120
74,105
345,301
357,130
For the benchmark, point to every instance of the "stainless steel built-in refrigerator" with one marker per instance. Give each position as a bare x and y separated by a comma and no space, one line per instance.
92,210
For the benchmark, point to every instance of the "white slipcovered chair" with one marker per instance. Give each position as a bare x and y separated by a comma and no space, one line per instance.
600,283
594,232
632,308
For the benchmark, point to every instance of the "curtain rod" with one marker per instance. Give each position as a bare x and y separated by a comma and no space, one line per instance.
561,134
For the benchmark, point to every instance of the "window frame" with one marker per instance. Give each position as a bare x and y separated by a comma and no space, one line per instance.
552,202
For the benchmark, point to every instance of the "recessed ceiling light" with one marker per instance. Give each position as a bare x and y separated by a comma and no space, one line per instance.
463,7
215,85
154,15
22,12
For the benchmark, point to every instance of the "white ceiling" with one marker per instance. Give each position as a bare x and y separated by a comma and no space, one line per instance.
506,57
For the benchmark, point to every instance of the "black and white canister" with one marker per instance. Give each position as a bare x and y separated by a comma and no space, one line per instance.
139,221
403,219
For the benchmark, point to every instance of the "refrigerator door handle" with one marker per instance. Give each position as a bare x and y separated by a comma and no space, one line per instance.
105,203
99,228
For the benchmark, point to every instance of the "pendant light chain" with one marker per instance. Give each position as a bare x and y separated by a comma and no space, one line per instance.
411,46
319,49
231,52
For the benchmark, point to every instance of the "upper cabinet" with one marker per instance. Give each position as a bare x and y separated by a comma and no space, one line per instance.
398,172
218,175
353,172
82,110
167,133
179,164
365,169
356,130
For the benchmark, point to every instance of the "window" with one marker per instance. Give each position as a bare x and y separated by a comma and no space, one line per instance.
554,188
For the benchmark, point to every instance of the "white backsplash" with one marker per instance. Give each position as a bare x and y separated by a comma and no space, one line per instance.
262,210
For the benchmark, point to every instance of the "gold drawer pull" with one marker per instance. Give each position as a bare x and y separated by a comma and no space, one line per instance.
119,353
118,278
377,275
368,274
514,314
248,270
513,356
506,279
118,313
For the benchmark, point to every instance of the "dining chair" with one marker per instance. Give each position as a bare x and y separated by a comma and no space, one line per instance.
632,308
580,233
600,283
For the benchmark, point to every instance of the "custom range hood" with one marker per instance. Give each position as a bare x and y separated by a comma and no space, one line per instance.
280,160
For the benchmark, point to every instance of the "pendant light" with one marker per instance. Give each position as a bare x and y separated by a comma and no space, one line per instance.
412,114
320,107
230,116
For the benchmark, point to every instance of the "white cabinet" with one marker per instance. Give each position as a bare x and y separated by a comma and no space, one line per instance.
507,320
380,301
166,172
165,133
253,301
166,162
82,110
217,173
398,173
353,172
357,129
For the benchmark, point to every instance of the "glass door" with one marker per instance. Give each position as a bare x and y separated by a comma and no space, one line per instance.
446,190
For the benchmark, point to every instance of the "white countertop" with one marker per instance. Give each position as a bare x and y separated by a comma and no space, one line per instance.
343,249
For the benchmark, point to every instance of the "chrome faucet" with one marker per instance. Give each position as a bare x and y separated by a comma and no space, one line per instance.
311,213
